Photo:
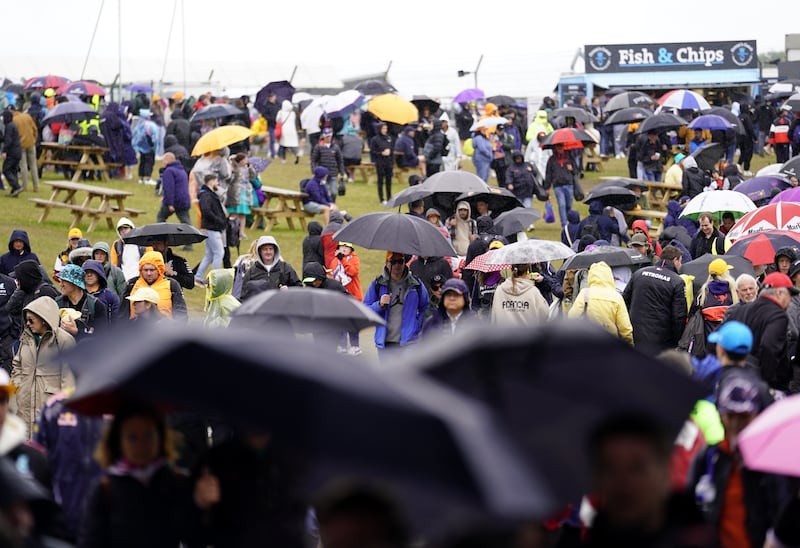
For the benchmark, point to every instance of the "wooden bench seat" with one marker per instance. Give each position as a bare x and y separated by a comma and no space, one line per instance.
366,170
41,202
270,217
647,213
128,210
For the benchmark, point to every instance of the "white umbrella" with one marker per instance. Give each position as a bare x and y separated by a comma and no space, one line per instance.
301,96
784,87
488,123
718,201
531,251
771,169
344,103
309,118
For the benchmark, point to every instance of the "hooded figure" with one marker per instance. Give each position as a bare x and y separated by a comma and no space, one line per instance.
436,147
541,124
569,235
262,276
642,225
601,303
32,285
36,373
450,322
170,295
313,251
287,118
462,230
313,272
19,249
103,293
517,301
789,256
694,180
598,221
405,150
673,218
126,256
480,245
114,275
329,245
220,302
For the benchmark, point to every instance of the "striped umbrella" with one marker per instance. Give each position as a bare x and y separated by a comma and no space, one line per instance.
683,99
780,216
81,87
43,82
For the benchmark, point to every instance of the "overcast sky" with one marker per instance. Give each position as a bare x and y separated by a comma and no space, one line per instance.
526,43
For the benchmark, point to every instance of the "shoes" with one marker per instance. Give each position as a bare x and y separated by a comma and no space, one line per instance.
141,181
747,173
150,182
15,193
341,349
354,351
200,283
350,180
384,202
297,160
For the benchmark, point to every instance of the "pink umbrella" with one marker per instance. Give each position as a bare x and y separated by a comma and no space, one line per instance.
791,195
780,216
479,263
770,442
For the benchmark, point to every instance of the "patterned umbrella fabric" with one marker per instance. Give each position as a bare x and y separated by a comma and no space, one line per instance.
480,263
44,82
760,248
763,187
469,95
780,216
684,99
629,99
569,137
718,202
343,103
81,87
531,251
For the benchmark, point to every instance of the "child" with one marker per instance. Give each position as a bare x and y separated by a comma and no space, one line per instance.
345,267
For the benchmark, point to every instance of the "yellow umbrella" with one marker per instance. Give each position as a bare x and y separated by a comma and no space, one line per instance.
393,108
219,138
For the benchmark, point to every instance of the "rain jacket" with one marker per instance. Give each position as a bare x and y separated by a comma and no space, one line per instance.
37,373
415,302
606,226
556,173
175,186
521,179
104,294
213,214
569,234
220,302
145,137
483,155
288,120
517,301
11,259
170,295
114,275
329,245
437,145
541,124
461,234
312,244
701,245
439,323
261,277
769,324
694,180
28,131
674,218
346,271
600,303
405,152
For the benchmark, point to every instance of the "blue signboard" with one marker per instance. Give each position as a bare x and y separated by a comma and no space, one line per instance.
657,57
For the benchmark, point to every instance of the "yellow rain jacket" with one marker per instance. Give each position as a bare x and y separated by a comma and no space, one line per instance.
602,304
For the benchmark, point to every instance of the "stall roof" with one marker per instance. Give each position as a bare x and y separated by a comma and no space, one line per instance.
677,79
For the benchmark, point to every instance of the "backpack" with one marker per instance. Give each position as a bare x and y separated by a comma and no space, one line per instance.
590,229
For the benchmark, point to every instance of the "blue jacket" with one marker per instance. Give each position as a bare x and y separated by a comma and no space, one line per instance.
415,303
674,218
405,147
175,186
483,149
606,225
317,192
11,259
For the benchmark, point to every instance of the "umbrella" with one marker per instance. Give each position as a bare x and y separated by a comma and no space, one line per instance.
393,108
501,100
219,138
139,88
611,255
629,99
785,87
628,116
569,137
769,443
794,102
718,202
699,268
301,96
683,99
708,155
282,89
309,118
258,164
44,82
611,195
792,167
488,123
306,310
789,195
500,200
408,195
729,116
676,232
550,386
468,96
422,101
760,248
219,110
396,232
13,87
531,251
711,122
763,187
70,112
343,103
17,487
81,87
582,116
516,220
770,169
348,417
375,87
780,216
173,233
455,181
663,121
480,263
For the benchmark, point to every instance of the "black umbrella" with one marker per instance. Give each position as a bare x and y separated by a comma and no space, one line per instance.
173,233
374,87
626,182
307,310
611,195
729,116
553,385
13,87
699,268
398,232
423,101
708,155
70,112
210,112
344,414
675,232
661,122
282,89
408,195
629,99
501,100
580,115
628,116
611,255
500,200
516,220
792,167
17,486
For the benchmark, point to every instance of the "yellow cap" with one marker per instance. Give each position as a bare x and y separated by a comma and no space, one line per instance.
177,96
348,244
718,267
75,233
497,244
156,98
49,92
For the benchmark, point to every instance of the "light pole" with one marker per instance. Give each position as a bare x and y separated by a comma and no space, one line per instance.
462,73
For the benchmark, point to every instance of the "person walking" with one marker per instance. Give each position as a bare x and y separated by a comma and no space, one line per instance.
28,136
12,154
452,161
601,303
435,149
381,147
779,136
346,268
214,222
240,191
289,140
560,176
517,301
144,139
483,155
175,191
268,271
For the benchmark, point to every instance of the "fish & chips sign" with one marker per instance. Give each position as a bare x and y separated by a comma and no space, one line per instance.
656,57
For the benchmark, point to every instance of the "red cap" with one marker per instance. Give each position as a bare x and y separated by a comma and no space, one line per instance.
779,279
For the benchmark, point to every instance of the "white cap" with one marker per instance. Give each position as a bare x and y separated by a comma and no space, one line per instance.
144,294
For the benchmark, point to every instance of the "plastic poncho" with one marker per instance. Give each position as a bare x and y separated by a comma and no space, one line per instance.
220,302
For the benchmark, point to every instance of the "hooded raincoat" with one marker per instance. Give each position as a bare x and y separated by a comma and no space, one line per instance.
463,230
517,301
11,259
220,301
601,303
170,295
288,120
261,277
414,298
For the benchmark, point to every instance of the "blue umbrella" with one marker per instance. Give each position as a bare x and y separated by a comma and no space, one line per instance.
282,89
469,95
711,122
764,187
139,88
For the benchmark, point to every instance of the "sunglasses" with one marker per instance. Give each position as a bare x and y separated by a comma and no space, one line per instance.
435,287
29,321
396,261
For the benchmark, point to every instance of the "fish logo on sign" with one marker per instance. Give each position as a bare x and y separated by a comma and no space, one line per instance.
600,58
742,54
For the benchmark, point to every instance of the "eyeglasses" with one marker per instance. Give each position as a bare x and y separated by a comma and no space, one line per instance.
436,287
396,261
29,321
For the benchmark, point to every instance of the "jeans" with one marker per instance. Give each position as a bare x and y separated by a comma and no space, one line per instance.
527,202
164,214
564,194
762,140
28,163
214,253
333,189
482,168
652,175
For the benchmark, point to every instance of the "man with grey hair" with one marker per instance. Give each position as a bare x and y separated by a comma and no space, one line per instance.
747,290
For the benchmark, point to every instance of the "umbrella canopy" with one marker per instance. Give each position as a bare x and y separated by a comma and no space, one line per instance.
455,181
551,388
375,87
770,169
663,121
729,116
210,112
763,187
468,95
81,87
580,115
792,167
423,101
259,164
349,418
13,87
516,220
488,123
611,195
711,122
408,195
500,200
760,248
398,232
173,233
343,103
306,310
629,99
70,112
780,216
282,89
718,202
699,268
628,116
139,88
794,102
44,82
501,100
789,195
785,87
393,108
708,155
301,96
611,255
481,264
219,138
683,99
769,443
531,251
309,118
569,137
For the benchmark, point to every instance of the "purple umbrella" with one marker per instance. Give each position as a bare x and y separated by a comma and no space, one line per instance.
469,95
791,195
764,187
259,164
282,89
139,87
711,122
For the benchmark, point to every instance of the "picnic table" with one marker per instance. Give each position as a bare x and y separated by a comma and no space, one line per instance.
658,195
280,203
65,195
91,159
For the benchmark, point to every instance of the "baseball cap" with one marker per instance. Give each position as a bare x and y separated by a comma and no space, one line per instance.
496,244
437,279
639,239
5,383
394,255
717,267
734,337
75,233
456,285
779,279
144,294
738,394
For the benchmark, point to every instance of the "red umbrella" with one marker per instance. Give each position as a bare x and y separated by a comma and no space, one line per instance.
760,248
780,216
43,82
479,263
81,87
569,137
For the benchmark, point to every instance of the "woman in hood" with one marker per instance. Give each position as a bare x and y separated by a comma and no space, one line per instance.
36,371
220,302
97,285
517,301
601,303
454,310
289,139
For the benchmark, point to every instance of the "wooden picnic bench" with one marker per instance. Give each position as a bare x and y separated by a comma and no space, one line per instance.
367,172
91,159
657,218
659,194
64,196
280,203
